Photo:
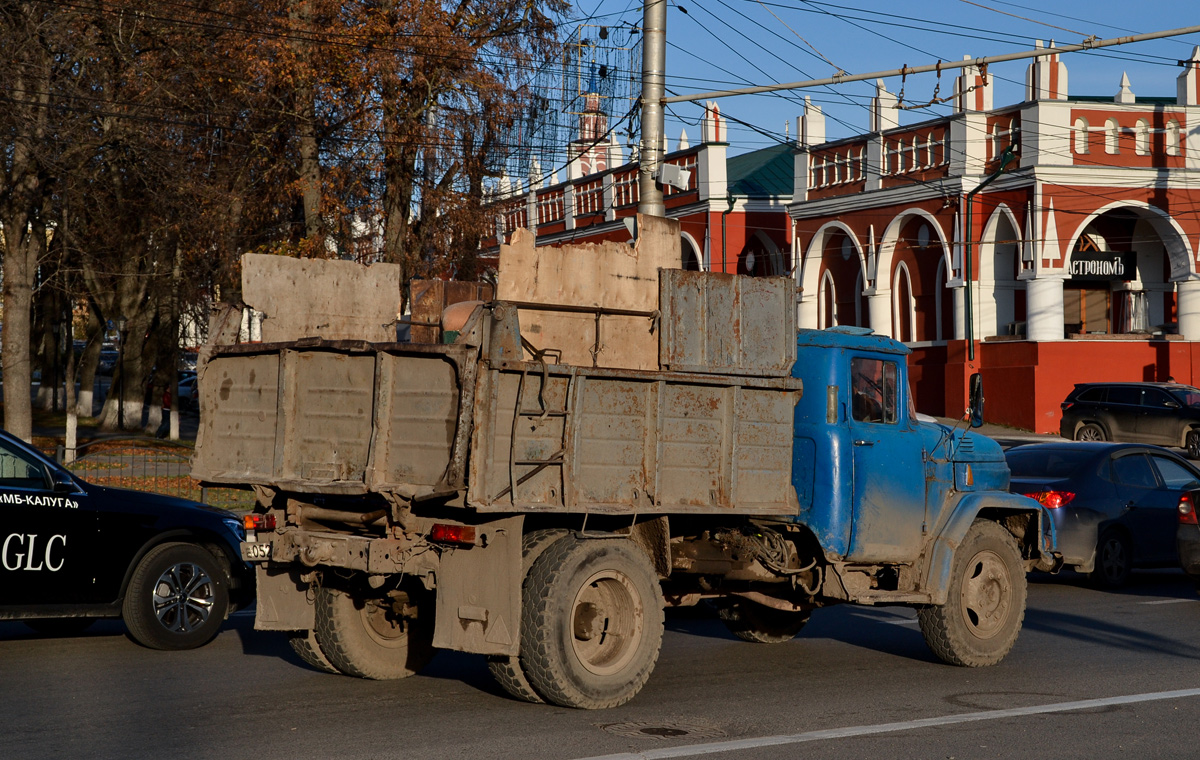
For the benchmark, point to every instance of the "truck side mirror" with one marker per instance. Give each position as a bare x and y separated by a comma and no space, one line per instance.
975,386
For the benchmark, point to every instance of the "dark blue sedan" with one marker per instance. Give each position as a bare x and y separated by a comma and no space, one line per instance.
1114,504
72,552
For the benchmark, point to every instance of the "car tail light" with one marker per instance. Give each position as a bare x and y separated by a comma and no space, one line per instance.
453,534
1053,499
1187,510
258,522
1067,405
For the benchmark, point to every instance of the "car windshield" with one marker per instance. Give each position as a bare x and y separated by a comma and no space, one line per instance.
1036,462
1187,396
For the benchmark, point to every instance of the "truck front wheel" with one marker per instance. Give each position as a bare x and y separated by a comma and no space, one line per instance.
592,622
985,606
365,637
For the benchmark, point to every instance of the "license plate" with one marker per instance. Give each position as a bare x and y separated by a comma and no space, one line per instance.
252,550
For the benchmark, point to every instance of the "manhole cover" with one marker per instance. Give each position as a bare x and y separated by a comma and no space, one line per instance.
660,730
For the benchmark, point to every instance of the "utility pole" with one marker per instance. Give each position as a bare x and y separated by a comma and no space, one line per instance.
654,69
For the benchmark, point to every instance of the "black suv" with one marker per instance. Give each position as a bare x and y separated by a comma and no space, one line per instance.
1167,414
71,552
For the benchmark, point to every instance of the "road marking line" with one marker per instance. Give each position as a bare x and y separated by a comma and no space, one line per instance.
1172,601
883,728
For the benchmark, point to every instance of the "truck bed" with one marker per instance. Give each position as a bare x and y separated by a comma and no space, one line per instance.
351,417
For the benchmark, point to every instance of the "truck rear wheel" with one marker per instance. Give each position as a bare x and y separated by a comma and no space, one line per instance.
760,624
505,669
979,623
592,622
307,648
366,638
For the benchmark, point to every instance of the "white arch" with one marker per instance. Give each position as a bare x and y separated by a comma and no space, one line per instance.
697,249
823,305
1179,249
902,271
774,255
994,313
810,268
891,235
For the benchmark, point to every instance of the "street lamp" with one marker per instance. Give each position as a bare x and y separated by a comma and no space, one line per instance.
121,322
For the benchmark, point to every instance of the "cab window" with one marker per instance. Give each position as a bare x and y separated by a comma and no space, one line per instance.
873,386
18,471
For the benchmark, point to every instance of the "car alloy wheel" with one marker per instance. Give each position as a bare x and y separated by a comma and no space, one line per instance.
183,597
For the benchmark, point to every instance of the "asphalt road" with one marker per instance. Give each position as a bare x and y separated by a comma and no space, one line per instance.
1094,675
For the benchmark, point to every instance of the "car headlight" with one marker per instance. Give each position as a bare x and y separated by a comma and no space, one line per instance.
235,527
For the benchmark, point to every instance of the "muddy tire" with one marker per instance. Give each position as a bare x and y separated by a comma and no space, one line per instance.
985,606
1090,432
363,637
307,648
1114,560
592,622
760,624
506,669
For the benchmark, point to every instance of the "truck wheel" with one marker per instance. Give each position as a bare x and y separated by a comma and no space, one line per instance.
307,648
177,598
985,607
505,669
365,638
760,624
592,622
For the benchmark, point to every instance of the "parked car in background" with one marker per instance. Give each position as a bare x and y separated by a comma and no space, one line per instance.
72,552
1114,504
188,399
1166,414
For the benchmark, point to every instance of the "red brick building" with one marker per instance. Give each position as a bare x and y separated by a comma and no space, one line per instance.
1083,252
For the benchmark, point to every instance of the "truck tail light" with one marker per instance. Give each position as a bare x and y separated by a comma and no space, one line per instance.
464,535
1053,499
1187,510
258,522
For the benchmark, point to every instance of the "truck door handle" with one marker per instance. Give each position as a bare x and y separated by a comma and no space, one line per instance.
864,443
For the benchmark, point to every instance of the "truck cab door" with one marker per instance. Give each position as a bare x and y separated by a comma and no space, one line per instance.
47,537
889,467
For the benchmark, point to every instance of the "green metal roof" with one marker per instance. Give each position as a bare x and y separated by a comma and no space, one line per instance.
763,173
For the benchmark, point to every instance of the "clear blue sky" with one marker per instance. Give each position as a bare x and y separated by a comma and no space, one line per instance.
719,44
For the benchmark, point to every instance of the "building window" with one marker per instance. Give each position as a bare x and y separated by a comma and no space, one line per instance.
903,316
1080,136
827,311
1112,137
1141,138
1172,138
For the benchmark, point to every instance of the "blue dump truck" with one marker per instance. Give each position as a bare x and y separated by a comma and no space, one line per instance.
482,494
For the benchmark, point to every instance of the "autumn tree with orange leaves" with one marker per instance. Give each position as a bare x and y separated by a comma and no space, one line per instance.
145,146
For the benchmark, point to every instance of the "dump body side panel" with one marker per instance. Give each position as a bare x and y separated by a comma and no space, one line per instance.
626,441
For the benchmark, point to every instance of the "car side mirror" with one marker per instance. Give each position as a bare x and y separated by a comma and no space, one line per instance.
975,393
1172,404
61,482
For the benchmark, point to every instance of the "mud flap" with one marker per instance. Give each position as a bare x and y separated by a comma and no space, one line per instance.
479,592
284,601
